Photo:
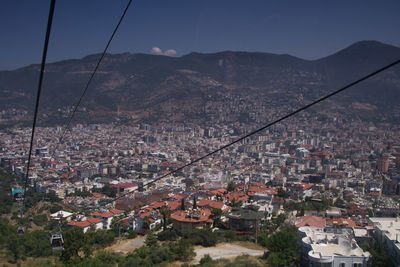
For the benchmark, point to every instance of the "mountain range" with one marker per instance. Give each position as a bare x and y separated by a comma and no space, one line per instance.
154,88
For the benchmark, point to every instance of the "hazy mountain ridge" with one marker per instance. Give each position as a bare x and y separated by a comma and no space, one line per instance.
150,87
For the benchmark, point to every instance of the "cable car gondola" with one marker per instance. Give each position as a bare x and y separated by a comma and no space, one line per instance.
20,230
57,242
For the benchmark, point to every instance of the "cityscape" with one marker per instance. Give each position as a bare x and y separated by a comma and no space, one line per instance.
200,134
334,178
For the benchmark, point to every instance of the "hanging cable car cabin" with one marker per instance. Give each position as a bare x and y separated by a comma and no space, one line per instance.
18,193
20,230
57,242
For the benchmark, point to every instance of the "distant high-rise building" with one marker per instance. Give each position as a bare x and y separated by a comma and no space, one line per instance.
383,164
42,151
301,152
398,163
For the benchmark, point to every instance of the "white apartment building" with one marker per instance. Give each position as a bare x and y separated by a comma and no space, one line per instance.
387,230
329,249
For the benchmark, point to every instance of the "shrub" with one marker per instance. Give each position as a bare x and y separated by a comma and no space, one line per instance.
206,259
54,209
132,234
168,235
40,220
202,237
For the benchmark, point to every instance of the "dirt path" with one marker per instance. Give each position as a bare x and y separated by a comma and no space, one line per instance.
227,250
126,246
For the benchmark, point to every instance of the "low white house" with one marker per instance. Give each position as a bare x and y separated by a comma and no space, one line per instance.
94,223
61,215
107,217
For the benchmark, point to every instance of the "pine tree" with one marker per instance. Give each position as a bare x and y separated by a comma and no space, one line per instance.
194,203
183,204
231,187
164,212
151,240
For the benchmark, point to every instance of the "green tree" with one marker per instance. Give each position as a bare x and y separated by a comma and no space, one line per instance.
380,257
235,203
206,259
40,219
116,224
168,235
36,244
231,186
146,223
14,245
339,203
283,246
151,240
6,231
283,259
183,250
282,193
280,219
215,216
32,198
203,237
106,190
182,204
132,234
6,182
100,237
164,211
76,246
194,203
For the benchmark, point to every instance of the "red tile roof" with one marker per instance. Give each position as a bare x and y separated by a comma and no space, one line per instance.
301,186
157,205
147,214
237,196
184,216
179,197
94,220
220,191
312,221
173,205
343,222
98,195
210,203
108,214
116,212
79,224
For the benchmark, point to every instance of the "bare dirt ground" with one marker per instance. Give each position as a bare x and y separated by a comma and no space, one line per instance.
126,246
220,251
228,250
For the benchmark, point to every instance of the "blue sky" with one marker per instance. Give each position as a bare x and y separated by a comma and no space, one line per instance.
306,29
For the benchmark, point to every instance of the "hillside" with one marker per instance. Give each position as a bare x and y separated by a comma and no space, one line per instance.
198,87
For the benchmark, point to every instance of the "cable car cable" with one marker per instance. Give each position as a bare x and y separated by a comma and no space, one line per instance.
67,125
46,44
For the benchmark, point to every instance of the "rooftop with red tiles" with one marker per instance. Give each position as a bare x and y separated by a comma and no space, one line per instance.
196,216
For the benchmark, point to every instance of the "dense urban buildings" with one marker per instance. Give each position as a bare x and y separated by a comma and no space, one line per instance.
345,171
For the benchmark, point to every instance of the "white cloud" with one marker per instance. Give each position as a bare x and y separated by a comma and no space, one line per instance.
157,51
170,52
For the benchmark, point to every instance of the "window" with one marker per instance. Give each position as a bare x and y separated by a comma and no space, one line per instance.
342,264
317,264
357,265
